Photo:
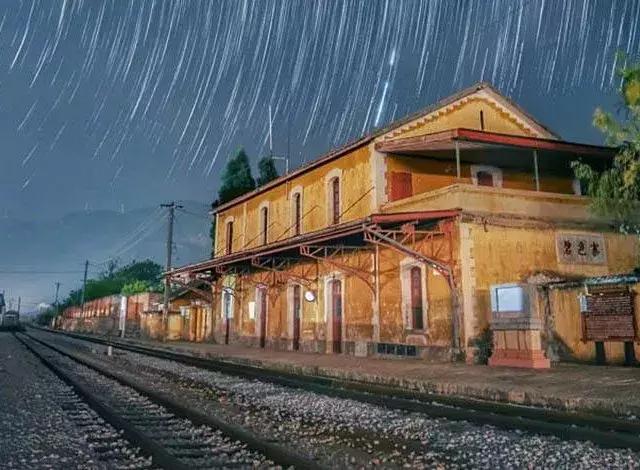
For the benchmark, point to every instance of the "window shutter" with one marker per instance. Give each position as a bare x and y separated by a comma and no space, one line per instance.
297,213
335,191
400,185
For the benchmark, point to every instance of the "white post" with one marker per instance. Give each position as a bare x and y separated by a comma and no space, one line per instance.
457,159
123,315
535,169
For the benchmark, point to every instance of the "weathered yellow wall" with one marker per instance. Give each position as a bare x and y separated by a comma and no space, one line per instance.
151,326
438,315
511,254
568,327
428,174
358,314
467,115
356,190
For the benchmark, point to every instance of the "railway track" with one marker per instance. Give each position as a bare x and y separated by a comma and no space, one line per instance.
601,430
174,436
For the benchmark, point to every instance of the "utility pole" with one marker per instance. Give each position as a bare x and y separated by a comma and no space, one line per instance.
172,206
19,298
56,301
84,287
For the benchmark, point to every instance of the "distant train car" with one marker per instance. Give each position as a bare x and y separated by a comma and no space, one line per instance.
10,321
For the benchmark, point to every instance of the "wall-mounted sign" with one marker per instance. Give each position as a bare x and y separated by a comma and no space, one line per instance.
580,248
608,317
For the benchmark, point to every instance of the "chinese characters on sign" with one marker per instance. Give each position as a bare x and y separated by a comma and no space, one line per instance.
608,317
577,248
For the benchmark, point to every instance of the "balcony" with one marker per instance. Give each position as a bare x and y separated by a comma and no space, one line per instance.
499,201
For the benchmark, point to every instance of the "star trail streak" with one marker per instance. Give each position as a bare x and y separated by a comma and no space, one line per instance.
158,93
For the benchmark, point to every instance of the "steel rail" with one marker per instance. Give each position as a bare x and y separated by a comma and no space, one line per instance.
159,456
602,430
276,453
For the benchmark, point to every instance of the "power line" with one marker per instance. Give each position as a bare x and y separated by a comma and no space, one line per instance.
195,215
40,272
129,240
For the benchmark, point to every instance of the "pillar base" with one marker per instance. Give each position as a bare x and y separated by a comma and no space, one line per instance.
519,358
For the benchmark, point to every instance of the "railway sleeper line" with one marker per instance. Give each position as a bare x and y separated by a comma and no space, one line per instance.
174,436
601,430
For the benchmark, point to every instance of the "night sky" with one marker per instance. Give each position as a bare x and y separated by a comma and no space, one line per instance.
117,104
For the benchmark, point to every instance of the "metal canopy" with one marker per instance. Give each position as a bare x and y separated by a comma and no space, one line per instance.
505,151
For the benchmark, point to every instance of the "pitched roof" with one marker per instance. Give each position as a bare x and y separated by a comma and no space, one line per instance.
337,152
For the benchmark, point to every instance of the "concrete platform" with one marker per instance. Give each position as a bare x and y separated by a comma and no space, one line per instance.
606,390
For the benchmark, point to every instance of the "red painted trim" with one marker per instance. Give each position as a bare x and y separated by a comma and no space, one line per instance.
418,215
421,143
338,231
533,142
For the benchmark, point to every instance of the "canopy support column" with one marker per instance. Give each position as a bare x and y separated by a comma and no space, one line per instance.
535,169
457,146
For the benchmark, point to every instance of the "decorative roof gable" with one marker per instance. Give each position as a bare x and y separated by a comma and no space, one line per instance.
461,110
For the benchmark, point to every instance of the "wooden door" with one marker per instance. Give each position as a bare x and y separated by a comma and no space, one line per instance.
263,317
416,298
227,312
336,300
401,185
297,307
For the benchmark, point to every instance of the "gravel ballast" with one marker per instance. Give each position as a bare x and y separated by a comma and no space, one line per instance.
328,427
44,425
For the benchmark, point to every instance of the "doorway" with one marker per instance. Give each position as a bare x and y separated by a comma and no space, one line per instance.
336,315
262,293
484,178
297,307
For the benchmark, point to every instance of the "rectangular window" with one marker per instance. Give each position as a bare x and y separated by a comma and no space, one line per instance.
229,240
297,211
264,221
335,206
416,298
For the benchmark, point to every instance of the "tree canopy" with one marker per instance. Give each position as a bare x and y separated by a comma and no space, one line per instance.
137,276
266,170
236,178
615,191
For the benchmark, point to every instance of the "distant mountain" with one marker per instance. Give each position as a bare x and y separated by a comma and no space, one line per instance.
34,254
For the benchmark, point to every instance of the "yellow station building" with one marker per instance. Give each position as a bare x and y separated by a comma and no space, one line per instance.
390,245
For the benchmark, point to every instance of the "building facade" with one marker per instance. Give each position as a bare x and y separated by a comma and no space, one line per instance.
391,244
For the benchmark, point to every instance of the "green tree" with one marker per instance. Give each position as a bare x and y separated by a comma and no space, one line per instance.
236,178
266,170
113,280
135,287
615,190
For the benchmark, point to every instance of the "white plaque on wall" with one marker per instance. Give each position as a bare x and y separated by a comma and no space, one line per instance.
580,248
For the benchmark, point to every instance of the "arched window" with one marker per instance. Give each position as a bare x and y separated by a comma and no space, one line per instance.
297,214
264,224
413,277
334,189
229,240
485,175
